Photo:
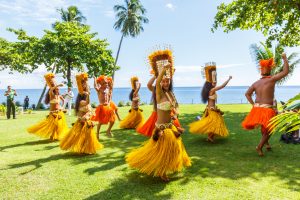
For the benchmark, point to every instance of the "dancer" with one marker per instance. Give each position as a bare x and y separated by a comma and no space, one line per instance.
135,117
164,153
104,113
54,126
82,138
147,128
263,109
212,122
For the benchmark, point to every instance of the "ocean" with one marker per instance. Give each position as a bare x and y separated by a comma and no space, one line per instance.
184,95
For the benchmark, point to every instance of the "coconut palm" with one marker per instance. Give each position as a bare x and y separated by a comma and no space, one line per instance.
72,14
262,51
130,20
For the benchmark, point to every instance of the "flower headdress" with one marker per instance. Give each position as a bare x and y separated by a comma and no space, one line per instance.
267,64
101,78
80,78
48,77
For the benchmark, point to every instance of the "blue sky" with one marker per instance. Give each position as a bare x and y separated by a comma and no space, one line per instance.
185,25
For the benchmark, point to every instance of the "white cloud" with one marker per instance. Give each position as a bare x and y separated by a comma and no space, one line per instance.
109,13
170,6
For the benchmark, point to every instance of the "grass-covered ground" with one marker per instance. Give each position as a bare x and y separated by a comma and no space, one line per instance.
34,168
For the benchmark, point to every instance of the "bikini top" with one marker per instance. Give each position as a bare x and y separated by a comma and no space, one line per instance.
166,105
54,101
137,98
213,97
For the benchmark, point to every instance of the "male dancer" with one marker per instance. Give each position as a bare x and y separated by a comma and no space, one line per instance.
263,108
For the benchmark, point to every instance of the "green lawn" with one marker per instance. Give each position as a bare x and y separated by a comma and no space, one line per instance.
34,168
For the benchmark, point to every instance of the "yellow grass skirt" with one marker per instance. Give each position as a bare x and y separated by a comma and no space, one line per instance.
212,122
81,139
53,127
134,119
164,156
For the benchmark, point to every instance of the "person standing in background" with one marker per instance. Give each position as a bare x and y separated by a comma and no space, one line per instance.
10,103
26,103
68,96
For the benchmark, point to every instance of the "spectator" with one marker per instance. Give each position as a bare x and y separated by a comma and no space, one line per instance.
26,103
10,103
68,96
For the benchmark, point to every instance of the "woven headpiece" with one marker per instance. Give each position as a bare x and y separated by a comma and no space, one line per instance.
80,78
210,72
48,77
159,58
132,80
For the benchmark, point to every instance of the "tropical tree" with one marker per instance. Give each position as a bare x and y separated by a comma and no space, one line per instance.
72,14
278,20
130,20
262,51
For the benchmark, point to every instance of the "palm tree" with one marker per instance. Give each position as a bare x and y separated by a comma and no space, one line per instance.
130,20
262,51
72,14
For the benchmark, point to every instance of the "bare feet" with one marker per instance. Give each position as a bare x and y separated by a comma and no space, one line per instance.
259,151
211,140
268,147
109,134
165,178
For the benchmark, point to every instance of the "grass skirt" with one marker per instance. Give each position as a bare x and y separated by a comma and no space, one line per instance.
134,119
258,116
148,126
81,139
164,156
104,114
53,127
211,122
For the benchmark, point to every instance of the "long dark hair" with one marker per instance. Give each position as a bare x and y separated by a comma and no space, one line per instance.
47,98
80,97
131,94
205,91
153,99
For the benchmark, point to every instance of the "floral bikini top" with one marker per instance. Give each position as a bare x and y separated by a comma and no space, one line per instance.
213,97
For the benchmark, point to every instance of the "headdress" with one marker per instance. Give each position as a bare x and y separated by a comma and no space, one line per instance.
132,80
159,58
79,80
267,64
210,72
110,80
101,78
48,77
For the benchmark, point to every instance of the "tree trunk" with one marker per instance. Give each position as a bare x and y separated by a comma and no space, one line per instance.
69,74
120,44
43,92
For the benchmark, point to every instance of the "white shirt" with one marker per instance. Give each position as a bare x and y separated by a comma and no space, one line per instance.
69,96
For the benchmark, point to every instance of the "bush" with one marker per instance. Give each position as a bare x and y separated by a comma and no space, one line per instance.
94,105
42,106
128,103
18,104
121,104
143,103
2,109
4,103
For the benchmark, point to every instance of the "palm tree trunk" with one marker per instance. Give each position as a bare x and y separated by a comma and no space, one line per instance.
43,92
120,44
69,74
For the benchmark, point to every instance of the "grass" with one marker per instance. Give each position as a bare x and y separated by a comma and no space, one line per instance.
34,168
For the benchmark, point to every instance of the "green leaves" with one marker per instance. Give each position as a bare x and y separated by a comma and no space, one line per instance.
278,20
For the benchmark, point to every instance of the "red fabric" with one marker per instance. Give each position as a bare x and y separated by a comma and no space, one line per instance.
176,122
148,126
259,116
104,114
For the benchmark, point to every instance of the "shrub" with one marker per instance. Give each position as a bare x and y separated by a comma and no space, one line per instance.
121,104
4,103
18,104
2,109
128,103
42,106
94,105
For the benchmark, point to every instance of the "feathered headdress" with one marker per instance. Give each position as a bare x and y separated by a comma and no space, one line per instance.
269,63
48,77
132,80
101,78
158,58
210,72
80,78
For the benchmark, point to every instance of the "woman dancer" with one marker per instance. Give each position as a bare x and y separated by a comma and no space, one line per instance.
54,126
164,152
212,122
82,137
135,117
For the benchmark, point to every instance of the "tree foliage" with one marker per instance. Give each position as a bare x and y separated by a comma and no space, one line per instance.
262,51
279,20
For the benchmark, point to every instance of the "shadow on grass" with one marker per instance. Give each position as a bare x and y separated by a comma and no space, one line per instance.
133,186
26,144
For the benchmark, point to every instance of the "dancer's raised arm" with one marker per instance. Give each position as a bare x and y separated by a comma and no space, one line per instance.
221,86
285,70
